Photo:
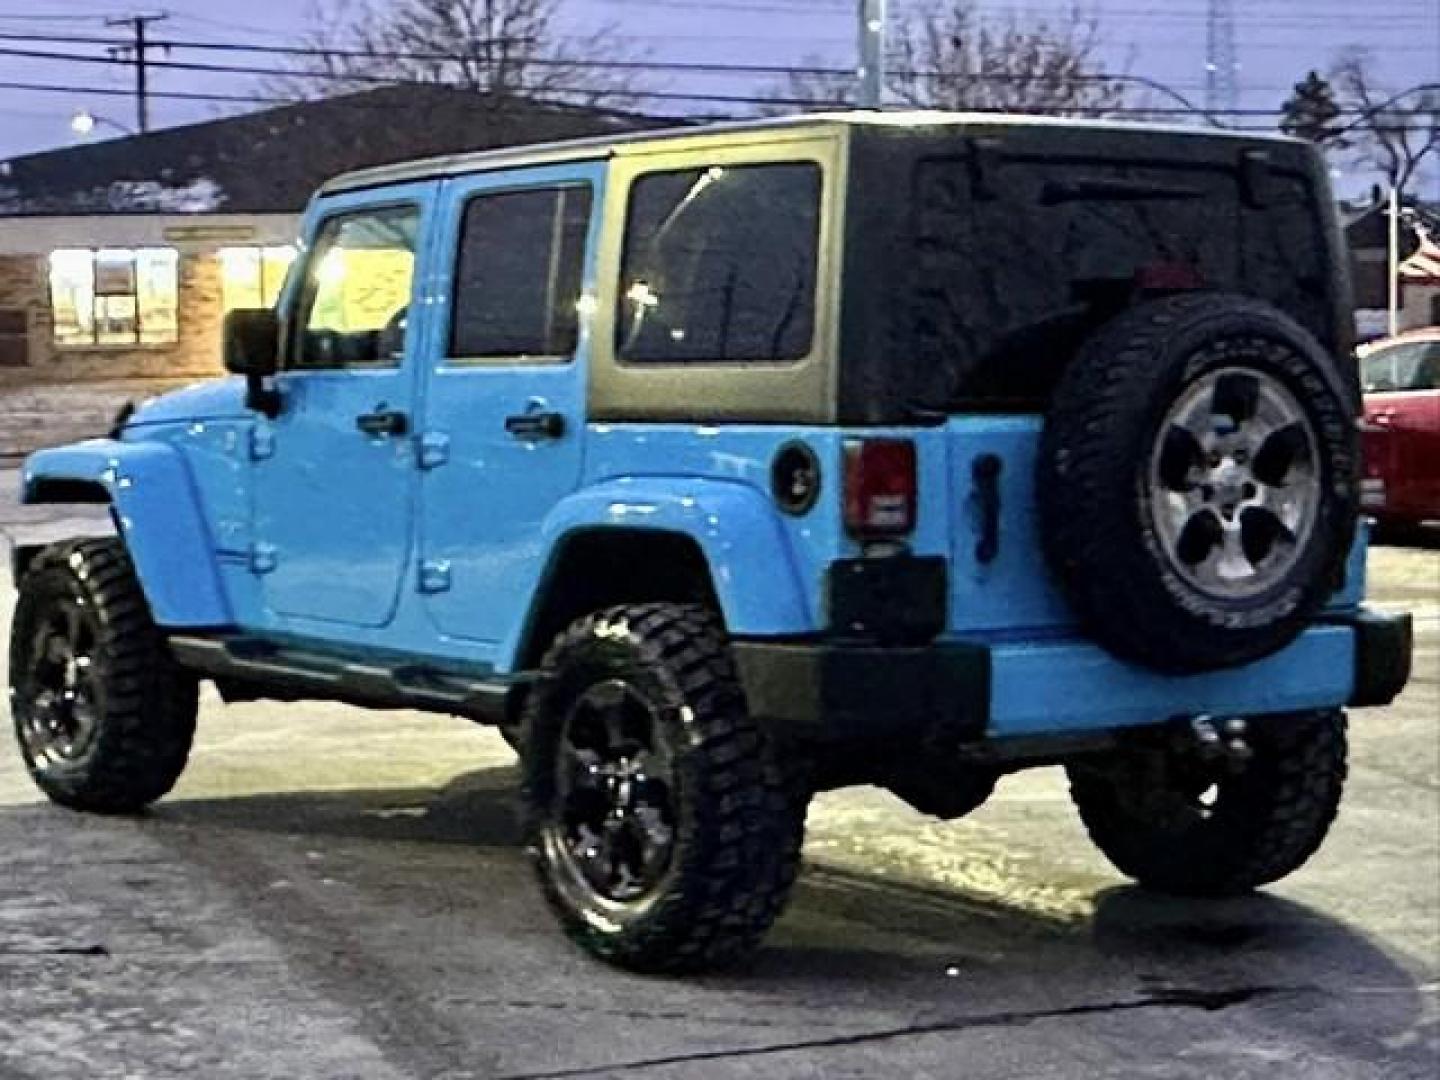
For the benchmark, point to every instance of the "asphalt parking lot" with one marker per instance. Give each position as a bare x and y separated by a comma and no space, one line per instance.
332,893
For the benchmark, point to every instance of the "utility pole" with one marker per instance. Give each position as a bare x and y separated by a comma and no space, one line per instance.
1222,59
139,26
1394,261
872,53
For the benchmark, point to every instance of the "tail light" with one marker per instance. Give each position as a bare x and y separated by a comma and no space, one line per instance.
1169,276
880,487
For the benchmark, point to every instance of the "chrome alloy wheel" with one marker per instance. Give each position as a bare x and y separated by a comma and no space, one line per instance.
614,819
1234,483
59,716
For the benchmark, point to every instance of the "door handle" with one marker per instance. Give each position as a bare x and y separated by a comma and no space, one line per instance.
383,423
986,473
536,425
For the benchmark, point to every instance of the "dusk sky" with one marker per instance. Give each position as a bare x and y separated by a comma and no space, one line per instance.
1279,40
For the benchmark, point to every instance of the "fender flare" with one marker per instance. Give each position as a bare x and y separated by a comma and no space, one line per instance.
158,514
736,528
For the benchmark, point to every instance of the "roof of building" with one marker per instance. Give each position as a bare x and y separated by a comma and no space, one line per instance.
273,160
1367,227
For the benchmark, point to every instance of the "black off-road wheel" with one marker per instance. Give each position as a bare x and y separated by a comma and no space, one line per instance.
663,832
103,716
1198,482
1179,823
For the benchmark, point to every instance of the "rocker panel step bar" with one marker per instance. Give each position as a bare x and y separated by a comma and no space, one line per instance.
248,670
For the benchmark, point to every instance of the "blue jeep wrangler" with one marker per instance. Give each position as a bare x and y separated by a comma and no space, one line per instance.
720,466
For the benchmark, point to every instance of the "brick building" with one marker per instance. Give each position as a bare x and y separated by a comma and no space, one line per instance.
119,259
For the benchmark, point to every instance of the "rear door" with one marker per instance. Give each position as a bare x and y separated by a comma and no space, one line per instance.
335,474
504,406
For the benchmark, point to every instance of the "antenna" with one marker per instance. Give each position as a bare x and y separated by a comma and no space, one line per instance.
1222,59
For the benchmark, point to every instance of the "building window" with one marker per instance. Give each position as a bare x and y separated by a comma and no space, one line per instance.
115,296
252,277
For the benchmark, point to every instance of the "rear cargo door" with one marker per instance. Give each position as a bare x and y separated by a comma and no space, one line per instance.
1022,256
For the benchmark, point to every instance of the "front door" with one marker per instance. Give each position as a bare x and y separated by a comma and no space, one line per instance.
1402,412
335,470
504,411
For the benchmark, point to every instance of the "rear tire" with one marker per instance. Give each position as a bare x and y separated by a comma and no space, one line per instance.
103,715
1147,811
663,832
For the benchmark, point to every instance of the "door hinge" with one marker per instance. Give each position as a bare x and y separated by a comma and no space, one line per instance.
262,442
434,577
263,558
434,449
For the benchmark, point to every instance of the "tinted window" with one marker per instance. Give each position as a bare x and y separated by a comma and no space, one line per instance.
1010,275
720,265
356,300
519,276
1413,366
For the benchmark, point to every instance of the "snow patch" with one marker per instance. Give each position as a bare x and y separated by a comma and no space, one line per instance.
201,195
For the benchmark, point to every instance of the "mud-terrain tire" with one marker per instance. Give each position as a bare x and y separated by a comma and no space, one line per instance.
1148,812
1197,482
663,831
103,716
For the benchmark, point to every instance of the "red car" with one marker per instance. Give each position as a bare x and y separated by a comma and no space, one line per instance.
1401,377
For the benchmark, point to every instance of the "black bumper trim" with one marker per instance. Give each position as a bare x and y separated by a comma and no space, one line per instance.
834,692
1384,651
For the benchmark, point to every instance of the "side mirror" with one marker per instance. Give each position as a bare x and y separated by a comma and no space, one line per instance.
252,349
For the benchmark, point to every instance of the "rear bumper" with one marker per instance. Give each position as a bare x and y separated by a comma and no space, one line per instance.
832,692
1384,651
819,691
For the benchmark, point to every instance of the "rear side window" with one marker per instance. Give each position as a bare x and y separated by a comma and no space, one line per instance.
520,274
720,265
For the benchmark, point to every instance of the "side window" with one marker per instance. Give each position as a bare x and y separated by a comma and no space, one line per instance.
356,299
1427,372
519,274
720,265
1395,368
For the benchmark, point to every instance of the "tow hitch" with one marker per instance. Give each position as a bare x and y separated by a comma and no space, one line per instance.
1216,739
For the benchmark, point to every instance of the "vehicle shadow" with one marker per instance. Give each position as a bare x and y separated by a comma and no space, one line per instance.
849,937
1419,537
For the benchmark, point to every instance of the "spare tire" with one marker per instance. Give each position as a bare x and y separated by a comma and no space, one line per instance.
1197,481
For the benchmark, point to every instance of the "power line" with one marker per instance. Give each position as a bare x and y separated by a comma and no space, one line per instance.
1186,107
172,95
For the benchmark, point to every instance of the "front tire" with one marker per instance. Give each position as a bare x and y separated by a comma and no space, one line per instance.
662,831
1179,824
103,716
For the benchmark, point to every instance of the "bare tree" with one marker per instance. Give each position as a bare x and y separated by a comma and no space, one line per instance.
944,54
1393,134
499,47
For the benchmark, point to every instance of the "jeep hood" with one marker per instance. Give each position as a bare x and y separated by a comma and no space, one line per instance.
223,399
